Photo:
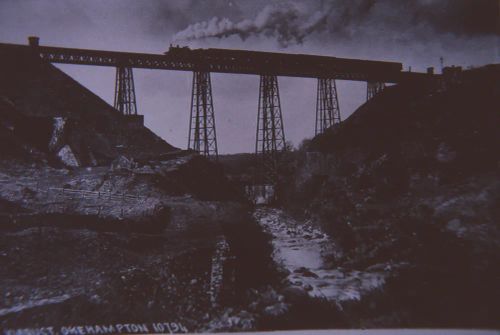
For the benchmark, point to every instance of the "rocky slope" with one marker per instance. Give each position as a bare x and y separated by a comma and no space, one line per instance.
410,183
44,111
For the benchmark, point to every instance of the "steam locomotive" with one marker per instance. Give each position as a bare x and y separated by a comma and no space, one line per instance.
281,61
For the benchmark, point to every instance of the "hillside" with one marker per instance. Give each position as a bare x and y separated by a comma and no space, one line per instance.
43,109
452,132
410,183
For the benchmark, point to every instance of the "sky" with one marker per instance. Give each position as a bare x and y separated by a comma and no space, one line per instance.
416,33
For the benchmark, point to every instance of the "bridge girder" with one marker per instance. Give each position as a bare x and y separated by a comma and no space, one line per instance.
224,61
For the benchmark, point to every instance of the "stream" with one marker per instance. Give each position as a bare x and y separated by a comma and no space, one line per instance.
303,251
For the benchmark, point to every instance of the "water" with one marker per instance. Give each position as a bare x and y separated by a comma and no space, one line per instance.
303,250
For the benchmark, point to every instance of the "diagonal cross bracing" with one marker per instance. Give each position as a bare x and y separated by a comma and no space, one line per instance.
327,105
125,100
202,134
270,141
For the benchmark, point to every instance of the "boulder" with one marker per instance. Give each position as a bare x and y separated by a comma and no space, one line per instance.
276,309
306,272
57,137
67,157
268,297
122,162
294,294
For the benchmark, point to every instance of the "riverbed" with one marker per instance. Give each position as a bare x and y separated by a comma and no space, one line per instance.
305,252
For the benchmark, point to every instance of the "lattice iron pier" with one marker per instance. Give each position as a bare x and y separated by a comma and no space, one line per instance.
374,88
202,135
327,105
125,100
270,139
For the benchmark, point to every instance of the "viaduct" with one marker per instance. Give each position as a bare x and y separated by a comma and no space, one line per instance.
270,136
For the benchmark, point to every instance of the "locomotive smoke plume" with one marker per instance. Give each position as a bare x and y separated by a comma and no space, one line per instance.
288,22
291,22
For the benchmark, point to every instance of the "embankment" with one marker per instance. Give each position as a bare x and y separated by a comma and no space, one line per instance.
411,179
